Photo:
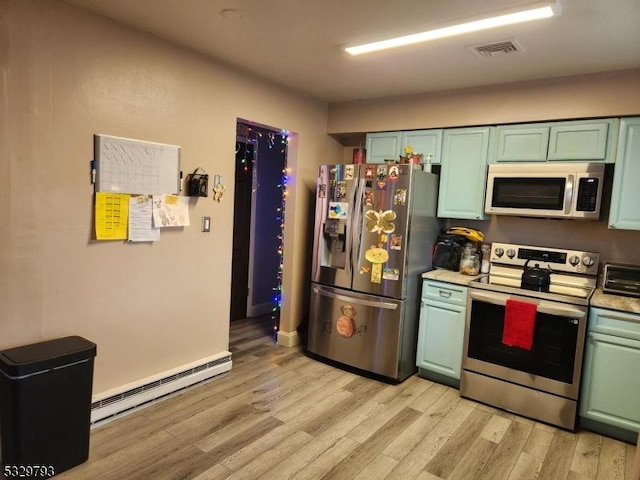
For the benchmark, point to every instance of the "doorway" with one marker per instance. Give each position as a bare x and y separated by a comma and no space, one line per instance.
241,227
257,226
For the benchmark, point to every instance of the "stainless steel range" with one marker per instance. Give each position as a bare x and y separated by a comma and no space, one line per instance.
525,331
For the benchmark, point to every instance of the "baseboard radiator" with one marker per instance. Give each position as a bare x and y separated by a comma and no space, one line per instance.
132,396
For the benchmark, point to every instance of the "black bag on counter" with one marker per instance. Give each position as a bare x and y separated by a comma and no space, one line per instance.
447,251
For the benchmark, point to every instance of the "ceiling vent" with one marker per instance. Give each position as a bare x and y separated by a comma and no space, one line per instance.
496,49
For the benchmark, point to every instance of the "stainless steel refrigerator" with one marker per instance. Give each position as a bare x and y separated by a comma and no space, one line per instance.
375,226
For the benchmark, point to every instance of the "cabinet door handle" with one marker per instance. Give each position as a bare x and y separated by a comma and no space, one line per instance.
620,318
444,293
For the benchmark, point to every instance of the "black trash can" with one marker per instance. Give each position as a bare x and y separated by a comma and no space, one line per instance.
45,406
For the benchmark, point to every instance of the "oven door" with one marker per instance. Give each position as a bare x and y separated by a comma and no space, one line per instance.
555,360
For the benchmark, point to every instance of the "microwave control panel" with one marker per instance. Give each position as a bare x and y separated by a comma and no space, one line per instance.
587,194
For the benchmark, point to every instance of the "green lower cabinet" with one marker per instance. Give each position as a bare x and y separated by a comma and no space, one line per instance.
610,392
440,338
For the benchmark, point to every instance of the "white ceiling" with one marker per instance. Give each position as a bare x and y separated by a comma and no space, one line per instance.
297,43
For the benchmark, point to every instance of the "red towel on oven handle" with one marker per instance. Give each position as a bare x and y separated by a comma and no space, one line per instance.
519,324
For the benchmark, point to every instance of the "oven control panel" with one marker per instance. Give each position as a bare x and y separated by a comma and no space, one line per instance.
558,260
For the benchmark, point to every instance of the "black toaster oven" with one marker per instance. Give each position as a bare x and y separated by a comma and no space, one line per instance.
622,279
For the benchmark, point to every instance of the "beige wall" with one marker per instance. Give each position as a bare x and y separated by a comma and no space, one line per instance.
599,95
67,75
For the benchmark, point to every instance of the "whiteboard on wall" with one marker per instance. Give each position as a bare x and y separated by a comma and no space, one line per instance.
124,165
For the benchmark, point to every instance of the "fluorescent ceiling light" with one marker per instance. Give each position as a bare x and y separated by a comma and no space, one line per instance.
475,26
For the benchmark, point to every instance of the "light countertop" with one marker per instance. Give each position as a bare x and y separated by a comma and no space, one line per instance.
599,298
450,277
615,302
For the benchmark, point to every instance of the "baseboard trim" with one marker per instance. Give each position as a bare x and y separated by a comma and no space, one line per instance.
288,339
116,402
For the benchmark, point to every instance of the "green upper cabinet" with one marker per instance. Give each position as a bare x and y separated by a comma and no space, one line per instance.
463,175
579,140
625,196
583,140
390,145
426,142
383,146
516,143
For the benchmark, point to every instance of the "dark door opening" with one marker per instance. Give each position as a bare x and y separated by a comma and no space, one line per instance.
258,219
241,229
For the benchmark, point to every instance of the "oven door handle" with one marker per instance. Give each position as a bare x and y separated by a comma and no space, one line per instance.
546,307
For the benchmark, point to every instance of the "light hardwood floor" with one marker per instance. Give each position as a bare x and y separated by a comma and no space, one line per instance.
281,415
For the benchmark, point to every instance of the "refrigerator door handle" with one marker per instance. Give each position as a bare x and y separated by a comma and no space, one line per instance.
356,229
350,228
357,301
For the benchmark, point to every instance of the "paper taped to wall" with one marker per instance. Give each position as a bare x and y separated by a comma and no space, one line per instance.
141,228
112,215
170,211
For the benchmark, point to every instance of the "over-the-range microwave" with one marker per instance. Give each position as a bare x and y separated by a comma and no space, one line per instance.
550,190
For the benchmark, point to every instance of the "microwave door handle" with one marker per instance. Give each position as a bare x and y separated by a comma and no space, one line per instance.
501,299
568,193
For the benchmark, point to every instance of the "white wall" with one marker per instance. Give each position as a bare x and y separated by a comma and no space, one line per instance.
68,74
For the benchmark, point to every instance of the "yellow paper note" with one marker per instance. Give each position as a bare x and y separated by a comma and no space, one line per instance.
112,216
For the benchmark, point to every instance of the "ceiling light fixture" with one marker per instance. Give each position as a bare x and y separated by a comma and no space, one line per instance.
527,15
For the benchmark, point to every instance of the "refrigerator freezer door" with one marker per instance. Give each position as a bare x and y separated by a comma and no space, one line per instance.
335,209
363,331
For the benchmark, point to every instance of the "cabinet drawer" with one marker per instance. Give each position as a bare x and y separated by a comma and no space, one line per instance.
444,292
611,322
